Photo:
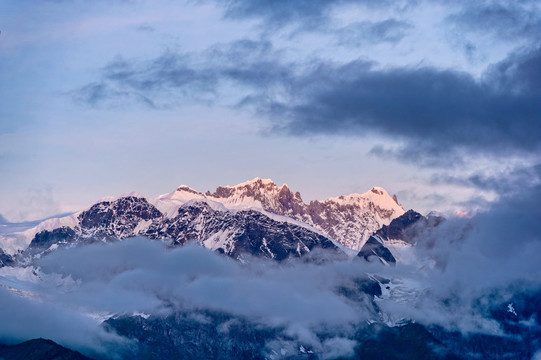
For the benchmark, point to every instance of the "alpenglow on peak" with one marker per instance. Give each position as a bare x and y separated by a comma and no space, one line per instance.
348,219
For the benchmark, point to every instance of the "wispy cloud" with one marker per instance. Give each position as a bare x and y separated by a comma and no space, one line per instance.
302,15
369,32
509,20
436,112
174,78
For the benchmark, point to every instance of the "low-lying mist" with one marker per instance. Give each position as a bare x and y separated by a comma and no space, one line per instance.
466,270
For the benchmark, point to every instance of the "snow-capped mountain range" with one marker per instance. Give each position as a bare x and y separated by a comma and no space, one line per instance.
349,219
257,216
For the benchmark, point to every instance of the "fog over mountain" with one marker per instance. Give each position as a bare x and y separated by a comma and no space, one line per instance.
460,279
408,133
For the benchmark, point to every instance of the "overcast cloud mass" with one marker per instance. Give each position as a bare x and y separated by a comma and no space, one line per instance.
101,98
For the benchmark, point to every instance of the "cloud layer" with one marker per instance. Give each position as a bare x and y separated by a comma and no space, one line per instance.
438,115
464,269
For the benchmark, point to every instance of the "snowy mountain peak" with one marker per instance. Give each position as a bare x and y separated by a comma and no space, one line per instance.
377,195
381,198
169,203
378,190
349,219
380,194
259,194
255,182
125,195
186,188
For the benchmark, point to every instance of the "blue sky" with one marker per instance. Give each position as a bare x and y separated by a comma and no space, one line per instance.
438,102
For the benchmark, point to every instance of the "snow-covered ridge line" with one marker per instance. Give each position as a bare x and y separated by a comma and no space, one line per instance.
348,220
185,193
250,182
128,194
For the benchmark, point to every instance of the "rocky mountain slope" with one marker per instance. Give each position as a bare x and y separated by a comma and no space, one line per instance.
390,242
399,233
5,259
257,217
348,219
39,349
232,233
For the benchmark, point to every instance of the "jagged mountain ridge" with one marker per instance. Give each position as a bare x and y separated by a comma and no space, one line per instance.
348,219
232,233
228,220
389,242
399,233
5,259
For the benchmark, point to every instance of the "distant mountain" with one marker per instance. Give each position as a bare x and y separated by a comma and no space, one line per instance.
402,232
205,334
256,217
193,335
407,227
7,227
375,248
39,349
348,219
232,233
216,335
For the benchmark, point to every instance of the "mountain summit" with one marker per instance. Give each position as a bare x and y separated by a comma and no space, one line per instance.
222,219
348,219
261,194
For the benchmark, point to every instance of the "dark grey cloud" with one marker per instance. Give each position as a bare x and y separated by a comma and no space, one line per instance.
519,74
503,239
316,17
368,32
483,262
434,111
510,233
167,70
509,181
256,64
303,14
506,20
145,83
437,115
